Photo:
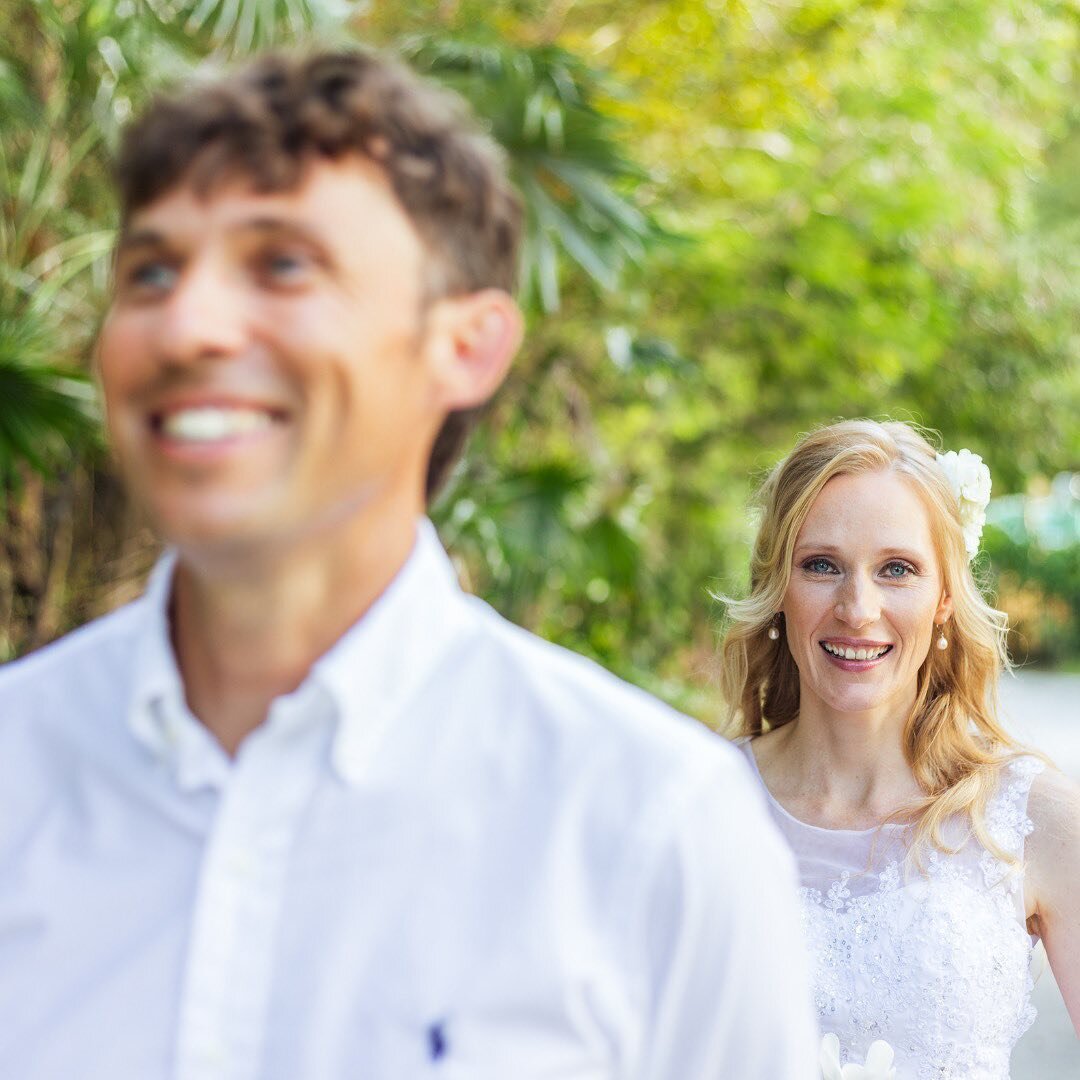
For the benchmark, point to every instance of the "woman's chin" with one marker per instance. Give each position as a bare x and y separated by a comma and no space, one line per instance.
857,700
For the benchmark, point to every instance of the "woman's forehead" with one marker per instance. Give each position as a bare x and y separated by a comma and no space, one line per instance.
877,510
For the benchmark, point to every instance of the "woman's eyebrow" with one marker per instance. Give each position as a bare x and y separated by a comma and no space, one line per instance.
903,553
818,549
806,547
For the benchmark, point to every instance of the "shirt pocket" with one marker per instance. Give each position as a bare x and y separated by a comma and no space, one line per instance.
470,1047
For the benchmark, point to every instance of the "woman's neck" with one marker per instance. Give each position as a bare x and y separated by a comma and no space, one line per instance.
839,770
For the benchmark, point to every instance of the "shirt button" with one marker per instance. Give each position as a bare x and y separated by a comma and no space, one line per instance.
213,1058
241,865
276,840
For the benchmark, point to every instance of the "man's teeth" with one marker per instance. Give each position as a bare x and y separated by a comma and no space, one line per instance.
208,423
846,653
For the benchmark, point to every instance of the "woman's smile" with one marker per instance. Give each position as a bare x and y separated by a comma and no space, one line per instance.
849,655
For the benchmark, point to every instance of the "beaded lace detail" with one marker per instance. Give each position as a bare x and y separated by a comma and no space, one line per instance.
935,961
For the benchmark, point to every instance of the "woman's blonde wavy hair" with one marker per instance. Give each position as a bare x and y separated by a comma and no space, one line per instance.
952,739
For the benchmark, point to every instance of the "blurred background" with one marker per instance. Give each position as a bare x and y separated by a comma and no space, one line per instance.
745,219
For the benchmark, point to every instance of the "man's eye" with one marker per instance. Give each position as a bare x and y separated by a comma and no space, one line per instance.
155,276
284,265
818,566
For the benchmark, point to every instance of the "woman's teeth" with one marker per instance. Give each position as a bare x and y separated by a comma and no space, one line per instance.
209,423
847,653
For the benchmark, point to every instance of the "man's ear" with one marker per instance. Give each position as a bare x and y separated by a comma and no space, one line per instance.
472,340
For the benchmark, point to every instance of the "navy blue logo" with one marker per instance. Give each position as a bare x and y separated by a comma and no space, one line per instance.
436,1041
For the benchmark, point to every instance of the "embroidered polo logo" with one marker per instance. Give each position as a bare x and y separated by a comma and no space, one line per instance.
436,1041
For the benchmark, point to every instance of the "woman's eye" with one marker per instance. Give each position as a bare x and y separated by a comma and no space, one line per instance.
899,570
818,566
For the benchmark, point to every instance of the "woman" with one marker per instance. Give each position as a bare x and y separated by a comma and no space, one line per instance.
861,671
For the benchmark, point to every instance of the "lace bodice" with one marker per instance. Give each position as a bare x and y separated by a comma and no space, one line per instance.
934,962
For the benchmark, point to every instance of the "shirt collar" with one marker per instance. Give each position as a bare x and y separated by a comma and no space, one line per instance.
369,674
391,653
156,676
158,715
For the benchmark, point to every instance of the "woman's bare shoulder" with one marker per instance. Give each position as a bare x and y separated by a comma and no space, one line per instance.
1054,802
1053,849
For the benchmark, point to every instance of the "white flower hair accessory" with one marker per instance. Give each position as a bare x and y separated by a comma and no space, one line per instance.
969,479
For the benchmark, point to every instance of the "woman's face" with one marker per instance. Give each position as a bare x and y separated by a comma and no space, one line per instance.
865,592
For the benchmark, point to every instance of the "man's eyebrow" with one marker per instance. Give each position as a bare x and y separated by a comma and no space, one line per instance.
299,229
149,237
291,229
139,238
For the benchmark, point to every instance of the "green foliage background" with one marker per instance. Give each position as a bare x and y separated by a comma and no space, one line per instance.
746,219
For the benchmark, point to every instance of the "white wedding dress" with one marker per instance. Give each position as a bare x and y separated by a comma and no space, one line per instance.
934,962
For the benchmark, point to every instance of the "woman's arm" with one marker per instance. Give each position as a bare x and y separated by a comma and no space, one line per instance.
1053,879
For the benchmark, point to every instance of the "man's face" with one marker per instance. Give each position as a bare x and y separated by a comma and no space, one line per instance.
264,363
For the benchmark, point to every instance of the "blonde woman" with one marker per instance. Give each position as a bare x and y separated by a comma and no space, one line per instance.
861,672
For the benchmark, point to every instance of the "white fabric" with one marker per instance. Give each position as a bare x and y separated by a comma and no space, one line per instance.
454,852
936,962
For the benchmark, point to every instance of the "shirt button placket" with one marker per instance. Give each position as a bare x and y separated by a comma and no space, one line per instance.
230,954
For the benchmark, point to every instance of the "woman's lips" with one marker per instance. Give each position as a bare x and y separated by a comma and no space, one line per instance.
875,655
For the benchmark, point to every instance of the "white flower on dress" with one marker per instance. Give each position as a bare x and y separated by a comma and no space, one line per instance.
878,1066
969,479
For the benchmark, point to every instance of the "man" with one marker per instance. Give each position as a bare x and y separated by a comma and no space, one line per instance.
305,811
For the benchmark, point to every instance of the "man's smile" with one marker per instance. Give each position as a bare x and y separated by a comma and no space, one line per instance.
209,423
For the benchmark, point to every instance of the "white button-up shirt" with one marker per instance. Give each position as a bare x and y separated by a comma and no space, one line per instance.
454,852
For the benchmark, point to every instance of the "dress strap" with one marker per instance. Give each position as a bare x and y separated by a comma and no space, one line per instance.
1008,825
1006,812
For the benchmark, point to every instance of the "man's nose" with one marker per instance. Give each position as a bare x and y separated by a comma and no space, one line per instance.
204,315
859,603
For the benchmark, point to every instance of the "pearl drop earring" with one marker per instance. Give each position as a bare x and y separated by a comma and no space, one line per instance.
774,633
942,641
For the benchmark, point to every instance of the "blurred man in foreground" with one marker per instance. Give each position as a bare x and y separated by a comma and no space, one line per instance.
306,811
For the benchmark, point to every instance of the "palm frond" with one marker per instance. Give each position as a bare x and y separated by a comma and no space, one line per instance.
53,271
540,104
46,413
237,27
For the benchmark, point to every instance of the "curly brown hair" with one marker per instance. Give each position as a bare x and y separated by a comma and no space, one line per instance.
268,121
